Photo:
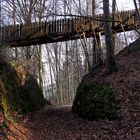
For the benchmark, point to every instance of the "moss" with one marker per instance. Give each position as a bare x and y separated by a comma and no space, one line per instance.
95,101
10,89
32,95
18,97
134,47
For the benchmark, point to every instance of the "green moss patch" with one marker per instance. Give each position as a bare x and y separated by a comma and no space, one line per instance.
32,95
95,102
134,47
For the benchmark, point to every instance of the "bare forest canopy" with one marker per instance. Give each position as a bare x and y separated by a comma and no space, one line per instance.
65,29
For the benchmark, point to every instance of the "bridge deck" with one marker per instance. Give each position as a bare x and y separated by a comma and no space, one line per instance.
64,29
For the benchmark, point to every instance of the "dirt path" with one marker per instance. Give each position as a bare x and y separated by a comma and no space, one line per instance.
58,123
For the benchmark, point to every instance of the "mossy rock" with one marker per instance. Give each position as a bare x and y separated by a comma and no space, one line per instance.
9,90
96,101
17,99
32,95
134,47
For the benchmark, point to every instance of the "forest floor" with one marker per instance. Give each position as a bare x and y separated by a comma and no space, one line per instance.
59,123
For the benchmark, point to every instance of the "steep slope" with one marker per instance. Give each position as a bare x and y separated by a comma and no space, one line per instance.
125,82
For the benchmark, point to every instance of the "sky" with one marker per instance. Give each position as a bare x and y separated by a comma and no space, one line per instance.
125,4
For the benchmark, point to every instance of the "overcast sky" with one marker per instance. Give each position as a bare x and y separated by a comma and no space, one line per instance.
125,4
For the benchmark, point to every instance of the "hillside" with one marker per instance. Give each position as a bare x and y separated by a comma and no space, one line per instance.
58,123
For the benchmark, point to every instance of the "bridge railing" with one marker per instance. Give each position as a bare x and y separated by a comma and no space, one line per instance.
35,30
60,27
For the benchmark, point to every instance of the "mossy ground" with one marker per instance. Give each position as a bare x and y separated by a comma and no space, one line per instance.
95,102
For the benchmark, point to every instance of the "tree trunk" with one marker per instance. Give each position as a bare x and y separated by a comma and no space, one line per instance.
113,18
1,46
14,22
94,58
137,11
96,49
111,62
40,68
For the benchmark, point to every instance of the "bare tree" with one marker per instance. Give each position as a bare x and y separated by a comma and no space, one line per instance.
97,49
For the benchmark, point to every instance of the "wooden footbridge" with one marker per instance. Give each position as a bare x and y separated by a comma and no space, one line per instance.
65,29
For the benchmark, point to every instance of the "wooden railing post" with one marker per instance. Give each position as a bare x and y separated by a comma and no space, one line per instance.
32,31
72,28
61,26
75,24
38,29
50,24
10,30
41,29
57,26
17,32
133,20
2,33
26,31
29,30
6,33
53,26
46,28
35,30
65,25
21,30
69,26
